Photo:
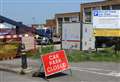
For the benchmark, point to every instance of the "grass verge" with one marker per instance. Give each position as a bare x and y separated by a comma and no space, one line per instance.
106,55
77,56
41,51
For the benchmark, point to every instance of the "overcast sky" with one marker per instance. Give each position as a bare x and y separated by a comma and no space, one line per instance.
37,11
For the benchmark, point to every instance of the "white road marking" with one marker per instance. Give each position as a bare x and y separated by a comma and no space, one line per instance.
114,74
96,69
110,73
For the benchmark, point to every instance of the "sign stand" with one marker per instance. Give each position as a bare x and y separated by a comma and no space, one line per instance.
41,67
70,71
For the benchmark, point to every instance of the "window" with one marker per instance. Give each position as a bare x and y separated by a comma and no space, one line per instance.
74,19
60,24
96,8
87,15
67,19
105,7
60,20
54,30
116,7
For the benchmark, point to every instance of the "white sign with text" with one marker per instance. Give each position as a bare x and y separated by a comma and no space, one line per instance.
107,19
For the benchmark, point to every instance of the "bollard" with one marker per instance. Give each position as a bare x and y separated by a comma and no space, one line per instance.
23,59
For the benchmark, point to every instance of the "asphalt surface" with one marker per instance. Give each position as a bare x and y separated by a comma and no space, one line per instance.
81,72
12,77
97,71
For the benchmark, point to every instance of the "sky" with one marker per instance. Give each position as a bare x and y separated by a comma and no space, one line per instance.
37,11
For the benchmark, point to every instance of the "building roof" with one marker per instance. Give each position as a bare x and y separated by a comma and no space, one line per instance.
67,14
101,3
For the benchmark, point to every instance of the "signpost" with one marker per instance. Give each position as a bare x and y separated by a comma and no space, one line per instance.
55,62
27,43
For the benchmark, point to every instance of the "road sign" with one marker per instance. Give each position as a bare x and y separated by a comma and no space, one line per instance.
29,42
107,19
55,62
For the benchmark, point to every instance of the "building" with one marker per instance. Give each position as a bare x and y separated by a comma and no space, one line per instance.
6,30
38,26
86,8
103,36
51,23
65,17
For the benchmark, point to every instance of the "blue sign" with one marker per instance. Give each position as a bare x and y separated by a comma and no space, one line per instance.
105,13
95,13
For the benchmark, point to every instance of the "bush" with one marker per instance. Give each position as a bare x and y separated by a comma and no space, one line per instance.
8,49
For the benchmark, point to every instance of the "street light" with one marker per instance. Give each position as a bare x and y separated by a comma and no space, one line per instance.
33,18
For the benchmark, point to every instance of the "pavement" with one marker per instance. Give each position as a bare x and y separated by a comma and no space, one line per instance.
81,72
15,65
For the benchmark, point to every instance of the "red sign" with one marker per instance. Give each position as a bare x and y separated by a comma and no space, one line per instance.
55,62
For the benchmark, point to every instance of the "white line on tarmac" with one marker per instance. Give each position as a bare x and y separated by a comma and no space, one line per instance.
97,69
112,73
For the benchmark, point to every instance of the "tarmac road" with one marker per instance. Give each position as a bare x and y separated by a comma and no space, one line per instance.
81,72
97,71
92,72
13,77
